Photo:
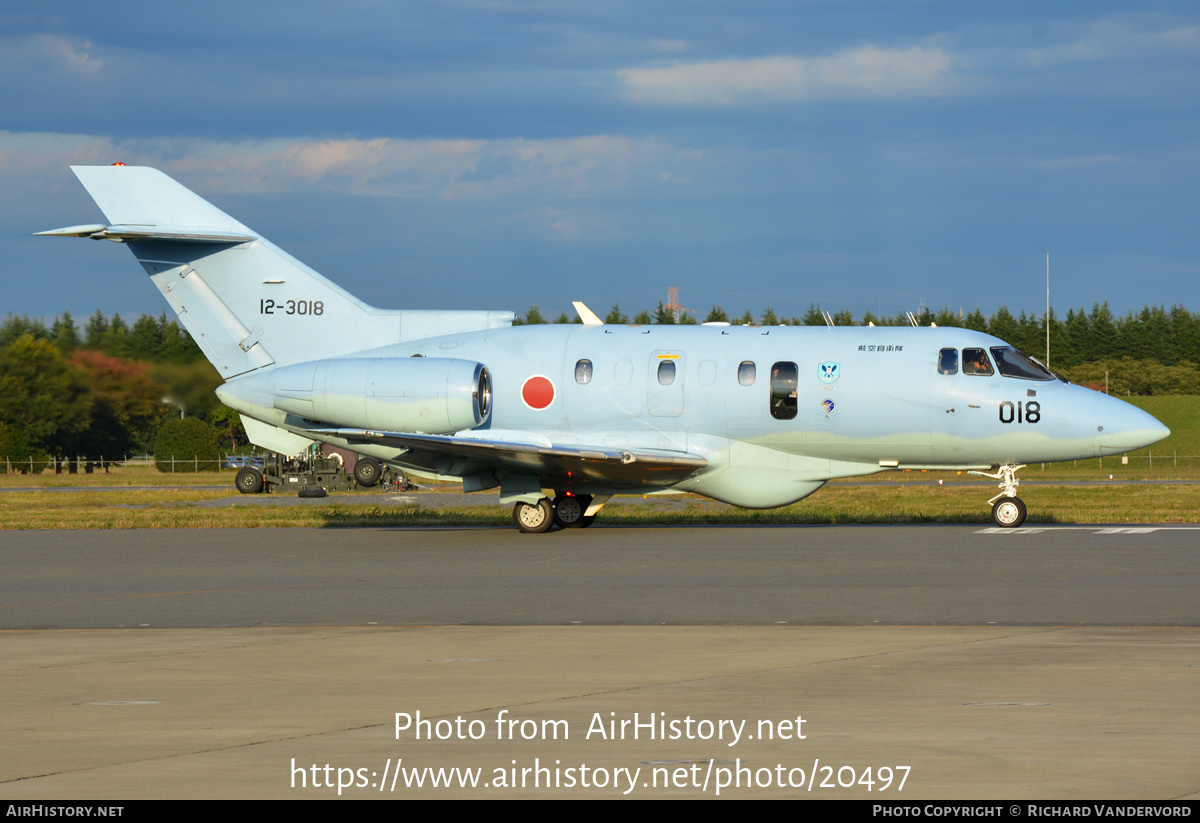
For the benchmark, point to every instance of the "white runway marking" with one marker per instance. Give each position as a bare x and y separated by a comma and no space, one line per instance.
1094,529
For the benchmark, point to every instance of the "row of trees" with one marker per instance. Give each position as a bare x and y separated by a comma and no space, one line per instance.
107,389
151,339
104,391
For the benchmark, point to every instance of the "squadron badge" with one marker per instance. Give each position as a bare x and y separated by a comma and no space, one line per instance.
829,372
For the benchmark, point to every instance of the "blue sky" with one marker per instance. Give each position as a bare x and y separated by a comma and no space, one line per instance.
860,155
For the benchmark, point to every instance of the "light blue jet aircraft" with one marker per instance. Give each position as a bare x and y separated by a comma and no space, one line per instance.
563,417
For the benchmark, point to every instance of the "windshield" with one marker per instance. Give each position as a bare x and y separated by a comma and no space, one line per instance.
1013,363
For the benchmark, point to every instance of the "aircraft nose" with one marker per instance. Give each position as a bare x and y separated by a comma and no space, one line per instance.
1118,426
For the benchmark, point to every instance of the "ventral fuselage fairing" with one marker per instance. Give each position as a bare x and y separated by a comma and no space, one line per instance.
754,416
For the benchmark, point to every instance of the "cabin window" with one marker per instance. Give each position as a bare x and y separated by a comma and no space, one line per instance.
746,373
975,361
948,361
783,391
583,372
666,372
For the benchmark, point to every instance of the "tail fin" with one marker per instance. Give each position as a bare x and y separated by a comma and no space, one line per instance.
247,303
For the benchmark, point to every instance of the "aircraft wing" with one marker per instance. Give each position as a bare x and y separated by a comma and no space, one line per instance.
552,464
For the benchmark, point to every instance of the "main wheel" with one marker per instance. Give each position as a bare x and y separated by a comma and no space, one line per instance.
249,481
367,471
534,519
569,509
1008,512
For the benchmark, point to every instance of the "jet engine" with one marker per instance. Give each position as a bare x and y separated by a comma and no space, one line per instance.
426,395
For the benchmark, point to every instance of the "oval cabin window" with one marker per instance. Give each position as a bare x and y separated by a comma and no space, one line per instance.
746,373
666,372
583,372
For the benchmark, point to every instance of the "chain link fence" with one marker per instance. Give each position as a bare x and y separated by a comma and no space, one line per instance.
85,465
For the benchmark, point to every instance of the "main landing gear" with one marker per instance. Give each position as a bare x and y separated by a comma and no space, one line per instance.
534,519
568,511
1008,510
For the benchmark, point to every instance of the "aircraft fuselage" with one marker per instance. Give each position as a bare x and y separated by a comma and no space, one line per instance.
775,411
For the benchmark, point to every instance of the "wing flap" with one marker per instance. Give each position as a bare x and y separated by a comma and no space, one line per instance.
553,464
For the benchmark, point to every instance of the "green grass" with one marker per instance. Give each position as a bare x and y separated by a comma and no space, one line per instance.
1181,414
1177,457
177,508
134,475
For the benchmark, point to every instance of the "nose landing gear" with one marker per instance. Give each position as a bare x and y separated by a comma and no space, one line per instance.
1008,510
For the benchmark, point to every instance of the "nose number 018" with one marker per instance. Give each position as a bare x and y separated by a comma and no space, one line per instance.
1031,413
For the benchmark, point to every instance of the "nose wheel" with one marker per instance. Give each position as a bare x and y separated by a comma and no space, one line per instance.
1008,510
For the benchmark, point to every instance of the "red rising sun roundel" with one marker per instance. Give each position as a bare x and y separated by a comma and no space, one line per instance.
537,392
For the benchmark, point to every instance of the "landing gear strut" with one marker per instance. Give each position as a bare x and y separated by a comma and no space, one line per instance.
1008,510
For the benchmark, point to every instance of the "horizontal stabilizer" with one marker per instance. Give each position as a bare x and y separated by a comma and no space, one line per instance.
129,234
73,231
140,197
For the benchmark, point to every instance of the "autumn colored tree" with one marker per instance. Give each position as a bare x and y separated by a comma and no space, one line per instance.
124,402
43,399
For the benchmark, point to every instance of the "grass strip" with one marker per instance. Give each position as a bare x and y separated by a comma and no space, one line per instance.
170,508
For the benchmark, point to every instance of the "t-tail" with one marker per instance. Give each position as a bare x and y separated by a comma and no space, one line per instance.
247,303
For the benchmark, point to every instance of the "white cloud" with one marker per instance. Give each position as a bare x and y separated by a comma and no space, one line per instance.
865,71
34,52
575,166
1110,39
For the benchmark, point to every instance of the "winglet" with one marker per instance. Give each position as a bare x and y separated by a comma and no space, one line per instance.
588,316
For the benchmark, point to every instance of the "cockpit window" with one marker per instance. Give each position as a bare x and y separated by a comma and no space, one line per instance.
975,361
1013,363
948,361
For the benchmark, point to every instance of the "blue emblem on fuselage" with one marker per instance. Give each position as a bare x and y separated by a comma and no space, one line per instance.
829,372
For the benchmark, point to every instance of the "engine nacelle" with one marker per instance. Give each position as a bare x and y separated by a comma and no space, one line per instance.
424,395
